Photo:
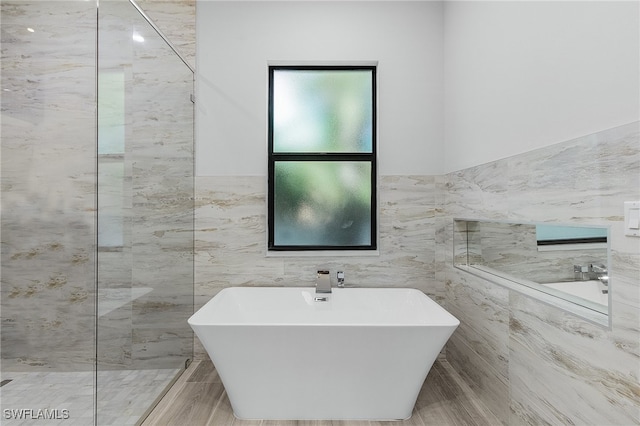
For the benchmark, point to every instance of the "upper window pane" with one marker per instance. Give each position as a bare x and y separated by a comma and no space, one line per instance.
322,110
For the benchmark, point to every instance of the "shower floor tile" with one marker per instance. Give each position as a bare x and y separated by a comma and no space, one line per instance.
69,397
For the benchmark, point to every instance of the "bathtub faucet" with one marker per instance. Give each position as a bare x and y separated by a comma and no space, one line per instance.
600,272
323,283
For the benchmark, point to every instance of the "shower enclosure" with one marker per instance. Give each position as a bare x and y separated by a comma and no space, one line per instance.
96,213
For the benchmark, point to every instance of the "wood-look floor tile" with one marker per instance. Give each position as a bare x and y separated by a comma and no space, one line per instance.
193,406
473,403
198,398
204,372
333,423
222,414
445,399
241,422
414,420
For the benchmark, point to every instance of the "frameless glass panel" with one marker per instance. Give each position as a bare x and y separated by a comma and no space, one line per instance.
322,111
48,212
145,214
322,203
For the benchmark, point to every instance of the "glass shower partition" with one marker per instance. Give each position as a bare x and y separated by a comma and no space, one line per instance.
96,213
145,214
47,303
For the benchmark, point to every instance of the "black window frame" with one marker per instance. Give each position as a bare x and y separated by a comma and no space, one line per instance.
322,157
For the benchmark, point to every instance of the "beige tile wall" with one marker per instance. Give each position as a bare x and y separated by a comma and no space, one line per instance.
231,240
48,185
530,362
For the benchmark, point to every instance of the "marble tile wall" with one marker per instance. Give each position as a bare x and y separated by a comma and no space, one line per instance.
49,253
521,356
49,177
231,240
532,363
50,259
48,185
162,206
177,21
154,262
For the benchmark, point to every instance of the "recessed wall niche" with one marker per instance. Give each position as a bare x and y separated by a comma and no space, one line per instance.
561,264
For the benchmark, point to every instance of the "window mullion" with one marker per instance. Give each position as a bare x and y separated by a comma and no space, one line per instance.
322,157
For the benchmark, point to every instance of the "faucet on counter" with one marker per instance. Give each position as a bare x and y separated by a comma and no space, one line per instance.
581,272
323,286
592,271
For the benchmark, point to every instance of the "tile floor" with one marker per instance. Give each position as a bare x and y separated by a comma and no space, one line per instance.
198,399
69,397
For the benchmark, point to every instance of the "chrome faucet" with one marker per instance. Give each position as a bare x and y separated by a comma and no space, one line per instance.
599,270
581,272
323,286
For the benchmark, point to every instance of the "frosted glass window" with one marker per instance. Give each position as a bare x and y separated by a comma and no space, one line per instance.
322,158
323,203
322,110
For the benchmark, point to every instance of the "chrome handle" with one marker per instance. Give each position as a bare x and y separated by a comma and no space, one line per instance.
323,283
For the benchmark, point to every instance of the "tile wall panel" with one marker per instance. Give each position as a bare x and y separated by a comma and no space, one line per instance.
231,240
177,21
560,369
48,185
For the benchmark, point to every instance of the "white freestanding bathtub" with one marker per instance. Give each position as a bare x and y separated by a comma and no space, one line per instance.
363,354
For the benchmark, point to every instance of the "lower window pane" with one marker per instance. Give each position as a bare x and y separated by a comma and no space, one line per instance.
322,203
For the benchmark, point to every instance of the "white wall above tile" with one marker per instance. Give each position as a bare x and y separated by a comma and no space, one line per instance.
521,75
238,40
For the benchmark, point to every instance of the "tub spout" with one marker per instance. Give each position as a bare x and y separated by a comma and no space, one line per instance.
323,282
